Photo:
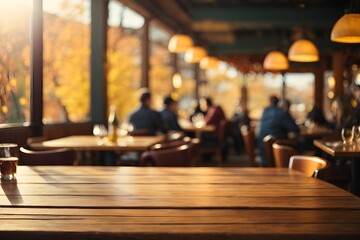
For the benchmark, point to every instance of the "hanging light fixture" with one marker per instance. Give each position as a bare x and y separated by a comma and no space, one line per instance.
208,63
347,29
194,54
177,80
303,50
276,61
180,43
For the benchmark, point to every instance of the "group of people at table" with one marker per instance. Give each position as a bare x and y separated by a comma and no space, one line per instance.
275,120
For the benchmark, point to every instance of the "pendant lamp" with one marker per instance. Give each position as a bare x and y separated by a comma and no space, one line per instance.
303,50
177,80
208,63
347,29
179,43
194,54
276,61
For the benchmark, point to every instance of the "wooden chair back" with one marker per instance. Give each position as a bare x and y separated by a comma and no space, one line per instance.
282,154
310,165
248,135
170,157
269,155
62,156
31,140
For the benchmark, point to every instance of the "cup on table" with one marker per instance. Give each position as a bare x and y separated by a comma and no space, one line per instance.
9,157
347,135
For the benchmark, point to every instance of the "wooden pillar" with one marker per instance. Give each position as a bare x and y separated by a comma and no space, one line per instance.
145,53
36,69
338,71
319,88
283,89
197,80
99,14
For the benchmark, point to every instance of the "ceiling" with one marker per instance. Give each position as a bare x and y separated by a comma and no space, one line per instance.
230,28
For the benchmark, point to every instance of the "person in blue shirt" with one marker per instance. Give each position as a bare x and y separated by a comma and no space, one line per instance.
275,121
144,118
169,116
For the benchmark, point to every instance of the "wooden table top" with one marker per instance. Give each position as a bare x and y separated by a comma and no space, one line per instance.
89,142
314,132
338,148
174,203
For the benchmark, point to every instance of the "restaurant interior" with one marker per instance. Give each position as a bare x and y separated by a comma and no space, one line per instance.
208,118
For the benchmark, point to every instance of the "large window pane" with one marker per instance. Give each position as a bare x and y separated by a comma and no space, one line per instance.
66,60
15,17
124,58
161,69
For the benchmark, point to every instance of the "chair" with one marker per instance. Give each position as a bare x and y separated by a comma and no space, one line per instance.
282,154
248,135
31,140
218,150
174,136
62,156
310,165
192,142
269,155
170,157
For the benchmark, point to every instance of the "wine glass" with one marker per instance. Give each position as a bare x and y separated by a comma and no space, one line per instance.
356,132
347,135
96,130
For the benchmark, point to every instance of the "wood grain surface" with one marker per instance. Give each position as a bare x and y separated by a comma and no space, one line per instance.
174,203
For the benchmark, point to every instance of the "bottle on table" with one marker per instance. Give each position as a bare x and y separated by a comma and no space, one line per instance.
112,124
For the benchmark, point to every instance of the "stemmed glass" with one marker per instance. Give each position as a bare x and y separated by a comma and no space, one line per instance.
347,135
100,131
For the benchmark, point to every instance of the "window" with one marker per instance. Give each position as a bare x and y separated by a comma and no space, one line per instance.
186,93
300,92
223,86
15,17
161,67
124,58
66,69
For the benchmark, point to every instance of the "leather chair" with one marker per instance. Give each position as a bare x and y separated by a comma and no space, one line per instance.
269,155
192,142
170,157
174,136
62,156
310,165
248,135
282,153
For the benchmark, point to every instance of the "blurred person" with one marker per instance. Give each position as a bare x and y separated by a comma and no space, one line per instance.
276,121
169,116
316,116
146,118
202,107
239,119
356,94
344,115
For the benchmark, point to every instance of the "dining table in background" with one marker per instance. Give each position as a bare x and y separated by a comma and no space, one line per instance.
93,143
190,127
83,202
344,151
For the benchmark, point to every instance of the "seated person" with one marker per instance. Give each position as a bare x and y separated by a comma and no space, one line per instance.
146,118
169,116
277,122
317,117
